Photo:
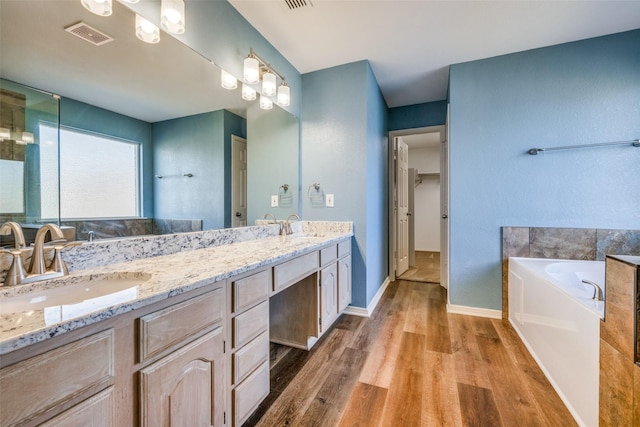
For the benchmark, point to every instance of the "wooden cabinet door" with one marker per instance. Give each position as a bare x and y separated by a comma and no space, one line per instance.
328,296
344,283
186,388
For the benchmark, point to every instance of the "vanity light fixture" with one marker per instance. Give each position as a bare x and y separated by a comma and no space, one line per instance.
172,16
269,83
248,93
251,69
265,103
99,7
284,95
228,81
256,69
22,138
27,138
146,31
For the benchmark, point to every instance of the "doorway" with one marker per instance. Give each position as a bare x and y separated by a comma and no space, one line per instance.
419,230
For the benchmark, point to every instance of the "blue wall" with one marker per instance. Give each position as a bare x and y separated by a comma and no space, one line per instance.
83,116
273,160
200,145
418,115
344,150
575,93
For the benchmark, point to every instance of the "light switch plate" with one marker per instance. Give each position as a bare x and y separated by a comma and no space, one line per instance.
329,200
274,201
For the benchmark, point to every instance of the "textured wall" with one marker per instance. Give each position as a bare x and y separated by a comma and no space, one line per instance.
575,93
344,150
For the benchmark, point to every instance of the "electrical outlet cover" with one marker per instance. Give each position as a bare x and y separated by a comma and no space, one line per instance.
274,201
329,200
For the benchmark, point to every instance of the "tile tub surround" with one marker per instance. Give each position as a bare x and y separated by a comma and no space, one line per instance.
171,275
619,375
562,243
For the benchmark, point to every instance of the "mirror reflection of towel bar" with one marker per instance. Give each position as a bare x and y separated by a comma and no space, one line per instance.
188,175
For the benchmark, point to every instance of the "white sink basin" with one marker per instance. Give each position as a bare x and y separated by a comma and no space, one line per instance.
76,295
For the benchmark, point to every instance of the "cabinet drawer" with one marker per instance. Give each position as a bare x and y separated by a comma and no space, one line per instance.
250,324
344,248
71,373
250,290
248,395
328,255
250,356
97,411
170,326
290,272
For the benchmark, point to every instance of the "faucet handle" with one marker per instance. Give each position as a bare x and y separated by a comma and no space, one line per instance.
58,265
16,273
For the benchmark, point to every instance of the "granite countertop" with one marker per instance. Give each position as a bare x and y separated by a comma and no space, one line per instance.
158,278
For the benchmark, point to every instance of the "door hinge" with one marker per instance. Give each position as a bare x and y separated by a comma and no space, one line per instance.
224,418
320,321
224,346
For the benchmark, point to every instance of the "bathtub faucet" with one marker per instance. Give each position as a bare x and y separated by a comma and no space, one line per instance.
597,290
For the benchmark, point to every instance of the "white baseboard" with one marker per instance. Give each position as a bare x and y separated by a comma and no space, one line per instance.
474,311
366,312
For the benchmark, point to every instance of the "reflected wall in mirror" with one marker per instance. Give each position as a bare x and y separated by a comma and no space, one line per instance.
162,102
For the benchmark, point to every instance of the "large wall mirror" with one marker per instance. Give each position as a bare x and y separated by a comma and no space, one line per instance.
149,124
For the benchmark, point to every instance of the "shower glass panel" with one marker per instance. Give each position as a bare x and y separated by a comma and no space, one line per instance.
25,185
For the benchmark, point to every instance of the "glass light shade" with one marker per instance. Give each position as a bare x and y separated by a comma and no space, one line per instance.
27,138
146,31
228,81
269,84
284,95
131,1
172,16
99,7
248,93
4,134
251,71
265,103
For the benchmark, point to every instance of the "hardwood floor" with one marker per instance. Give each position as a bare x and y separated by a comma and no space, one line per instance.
411,364
427,268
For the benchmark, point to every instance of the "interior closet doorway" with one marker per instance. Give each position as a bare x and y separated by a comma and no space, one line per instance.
418,211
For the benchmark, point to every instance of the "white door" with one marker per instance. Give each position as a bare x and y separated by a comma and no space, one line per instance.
402,189
444,207
238,181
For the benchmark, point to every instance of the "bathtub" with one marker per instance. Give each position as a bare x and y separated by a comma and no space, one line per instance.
555,316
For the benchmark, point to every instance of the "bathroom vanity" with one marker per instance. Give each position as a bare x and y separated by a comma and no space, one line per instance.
189,347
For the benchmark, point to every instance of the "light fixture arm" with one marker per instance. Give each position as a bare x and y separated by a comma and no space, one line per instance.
264,65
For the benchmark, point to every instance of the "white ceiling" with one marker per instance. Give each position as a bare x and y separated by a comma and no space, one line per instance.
410,44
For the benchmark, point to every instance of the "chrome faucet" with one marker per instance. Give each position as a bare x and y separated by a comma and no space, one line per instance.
16,273
275,221
38,265
597,290
288,223
13,227
267,215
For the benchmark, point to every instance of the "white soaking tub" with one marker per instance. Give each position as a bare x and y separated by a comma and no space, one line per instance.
556,317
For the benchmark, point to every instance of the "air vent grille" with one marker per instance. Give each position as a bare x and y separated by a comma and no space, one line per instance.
89,34
297,4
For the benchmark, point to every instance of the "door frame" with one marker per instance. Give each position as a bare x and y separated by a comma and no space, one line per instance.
392,190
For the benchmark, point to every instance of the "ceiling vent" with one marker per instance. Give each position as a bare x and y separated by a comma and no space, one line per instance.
297,4
87,33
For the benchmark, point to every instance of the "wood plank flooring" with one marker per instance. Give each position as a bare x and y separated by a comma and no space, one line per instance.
427,268
411,364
